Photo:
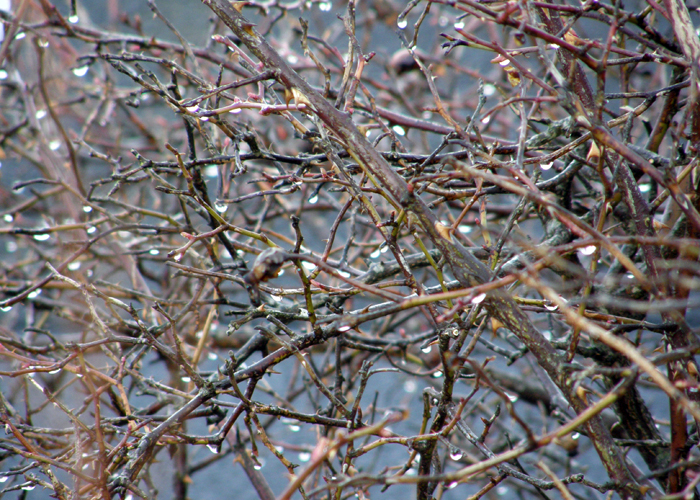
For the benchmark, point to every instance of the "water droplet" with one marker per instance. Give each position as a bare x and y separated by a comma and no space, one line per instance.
344,274
211,171
546,166
40,114
3,74
427,349
452,485
235,111
54,145
154,251
437,374
313,200
20,36
54,372
28,487
42,237
34,294
325,6
257,466
550,307
310,266
304,456
489,89
456,454
575,435
485,120
375,254
8,218
91,229
213,448
43,42
6,309
589,250
292,59
276,298
644,188
512,397
344,328
478,299
81,71
459,25
186,380
73,19
220,207
399,130
3,479
192,109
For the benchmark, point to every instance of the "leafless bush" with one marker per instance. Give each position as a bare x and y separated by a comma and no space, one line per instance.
445,249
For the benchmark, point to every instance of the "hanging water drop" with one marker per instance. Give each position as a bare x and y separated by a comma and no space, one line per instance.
80,71
478,299
589,250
